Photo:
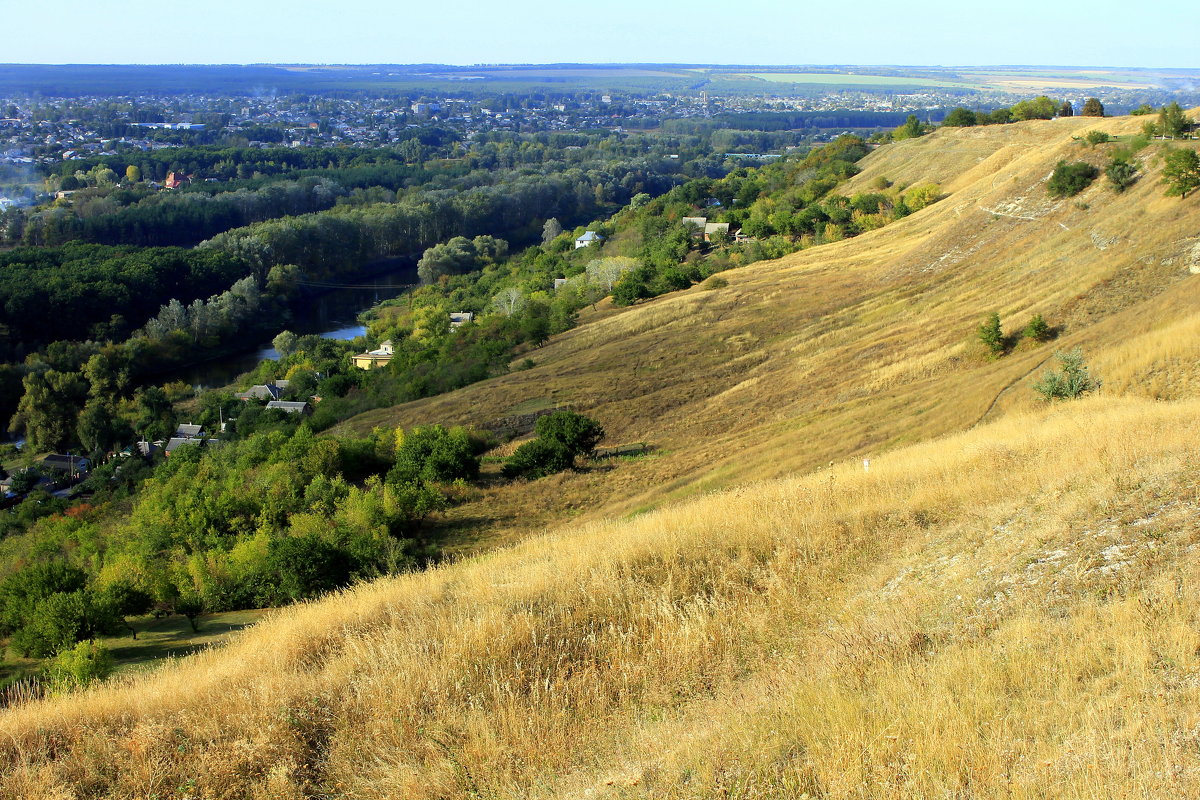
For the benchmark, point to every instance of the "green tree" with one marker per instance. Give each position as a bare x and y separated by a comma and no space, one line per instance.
1172,122
285,343
99,428
155,416
911,129
576,432
1041,107
49,407
992,335
304,566
1092,107
1071,379
1181,172
434,454
1066,109
562,436
133,173
538,458
960,118
551,231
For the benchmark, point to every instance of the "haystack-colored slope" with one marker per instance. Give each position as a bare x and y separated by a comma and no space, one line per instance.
1003,613
849,349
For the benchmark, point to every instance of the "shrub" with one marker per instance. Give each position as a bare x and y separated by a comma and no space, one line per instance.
577,433
1121,171
1069,180
562,436
715,282
1037,329
1071,379
1096,137
538,458
77,667
434,454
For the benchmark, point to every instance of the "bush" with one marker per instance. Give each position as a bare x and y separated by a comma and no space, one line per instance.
1037,329
538,458
1069,180
1070,381
577,433
1121,172
1096,137
435,455
562,436
77,667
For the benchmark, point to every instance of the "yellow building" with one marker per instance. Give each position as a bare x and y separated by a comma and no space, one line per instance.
375,358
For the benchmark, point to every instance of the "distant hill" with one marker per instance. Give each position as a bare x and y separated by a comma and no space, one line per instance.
862,558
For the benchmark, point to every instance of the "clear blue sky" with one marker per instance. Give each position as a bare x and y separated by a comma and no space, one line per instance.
958,32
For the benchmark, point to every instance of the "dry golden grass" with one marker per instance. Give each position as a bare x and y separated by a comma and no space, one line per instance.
999,607
916,630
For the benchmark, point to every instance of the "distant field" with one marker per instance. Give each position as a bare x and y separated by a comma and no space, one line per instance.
1081,79
839,79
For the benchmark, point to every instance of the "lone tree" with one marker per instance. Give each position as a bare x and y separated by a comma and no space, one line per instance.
551,231
991,334
1070,381
1066,109
1093,107
1181,172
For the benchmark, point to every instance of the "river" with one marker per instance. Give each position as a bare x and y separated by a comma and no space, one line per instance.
332,314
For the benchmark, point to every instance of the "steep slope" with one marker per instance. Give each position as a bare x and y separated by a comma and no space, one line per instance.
1000,613
849,349
998,607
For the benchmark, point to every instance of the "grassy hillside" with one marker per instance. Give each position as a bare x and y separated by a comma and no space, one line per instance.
997,608
851,349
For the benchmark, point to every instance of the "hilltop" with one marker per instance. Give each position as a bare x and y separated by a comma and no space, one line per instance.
995,608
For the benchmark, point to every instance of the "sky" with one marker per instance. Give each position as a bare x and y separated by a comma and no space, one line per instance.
918,32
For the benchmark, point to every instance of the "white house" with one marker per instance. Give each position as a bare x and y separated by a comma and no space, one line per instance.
588,238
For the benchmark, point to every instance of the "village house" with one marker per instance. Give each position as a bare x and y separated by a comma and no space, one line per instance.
375,358
66,464
591,237
180,441
264,391
175,180
290,406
